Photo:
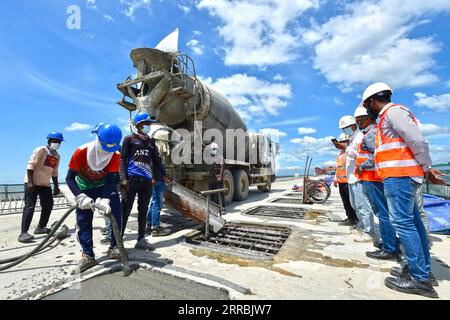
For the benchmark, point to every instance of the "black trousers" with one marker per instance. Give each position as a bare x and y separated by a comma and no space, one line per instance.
345,196
143,189
217,198
46,199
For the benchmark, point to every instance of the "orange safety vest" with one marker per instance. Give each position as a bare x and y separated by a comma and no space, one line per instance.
393,158
363,156
341,171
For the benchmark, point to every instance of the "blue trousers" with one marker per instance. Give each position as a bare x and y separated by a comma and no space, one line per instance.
405,217
362,207
156,205
375,193
85,218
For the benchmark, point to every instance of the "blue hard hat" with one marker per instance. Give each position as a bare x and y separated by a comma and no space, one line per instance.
110,137
97,127
55,135
142,117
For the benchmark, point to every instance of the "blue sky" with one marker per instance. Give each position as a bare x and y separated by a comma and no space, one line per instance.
290,67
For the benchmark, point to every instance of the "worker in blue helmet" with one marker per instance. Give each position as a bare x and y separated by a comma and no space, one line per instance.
42,167
140,160
92,177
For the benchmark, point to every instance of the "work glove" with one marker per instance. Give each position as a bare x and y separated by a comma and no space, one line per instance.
84,202
104,203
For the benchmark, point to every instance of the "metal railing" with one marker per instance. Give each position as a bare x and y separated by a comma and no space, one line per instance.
12,200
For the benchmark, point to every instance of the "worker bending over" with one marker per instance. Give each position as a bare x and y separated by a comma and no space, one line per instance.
91,177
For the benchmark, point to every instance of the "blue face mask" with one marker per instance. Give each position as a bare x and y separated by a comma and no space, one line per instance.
348,131
146,129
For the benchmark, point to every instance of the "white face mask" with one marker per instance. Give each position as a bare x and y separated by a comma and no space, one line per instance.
349,131
55,146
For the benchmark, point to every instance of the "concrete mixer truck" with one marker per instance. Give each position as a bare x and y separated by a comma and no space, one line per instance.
167,87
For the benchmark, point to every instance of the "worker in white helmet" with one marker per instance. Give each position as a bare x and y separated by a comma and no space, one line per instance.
364,229
402,161
372,186
160,133
341,181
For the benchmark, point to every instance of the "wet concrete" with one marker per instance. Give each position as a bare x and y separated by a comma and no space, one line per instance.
141,285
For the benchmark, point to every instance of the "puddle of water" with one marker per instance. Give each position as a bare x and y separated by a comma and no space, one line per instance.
302,245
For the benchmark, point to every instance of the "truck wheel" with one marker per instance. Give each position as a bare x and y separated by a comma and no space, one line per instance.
241,185
229,184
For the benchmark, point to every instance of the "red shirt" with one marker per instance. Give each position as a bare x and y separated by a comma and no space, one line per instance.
79,164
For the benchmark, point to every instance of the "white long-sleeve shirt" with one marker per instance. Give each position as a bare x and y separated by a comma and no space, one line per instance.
352,154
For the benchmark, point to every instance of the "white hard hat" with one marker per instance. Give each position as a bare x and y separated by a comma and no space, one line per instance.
346,121
162,135
343,137
360,112
376,88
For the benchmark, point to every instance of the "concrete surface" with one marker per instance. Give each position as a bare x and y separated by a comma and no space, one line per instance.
319,261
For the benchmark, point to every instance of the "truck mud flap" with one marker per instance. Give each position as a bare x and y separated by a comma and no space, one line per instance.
193,206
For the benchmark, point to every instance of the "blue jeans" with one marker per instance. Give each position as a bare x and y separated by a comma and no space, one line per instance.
405,217
109,230
85,217
154,211
362,207
375,193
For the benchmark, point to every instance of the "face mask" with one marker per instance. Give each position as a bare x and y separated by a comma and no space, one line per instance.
146,129
348,131
55,146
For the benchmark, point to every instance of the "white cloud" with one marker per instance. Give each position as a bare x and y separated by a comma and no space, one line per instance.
429,129
278,77
338,102
258,33
134,5
196,47
91,4
108,18
295,121
76,126
305,131
330,163
275,134
184,8
253,98
372,42
437,103
315,146
293,168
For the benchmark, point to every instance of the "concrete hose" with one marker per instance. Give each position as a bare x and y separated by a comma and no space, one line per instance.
12,262
41,245
60,236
